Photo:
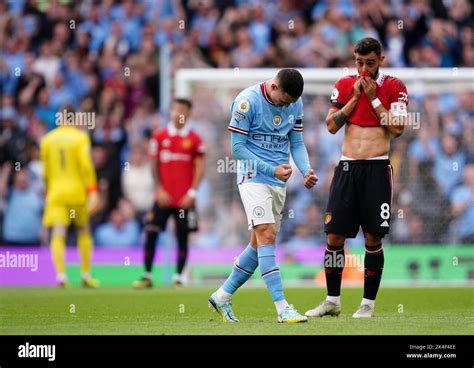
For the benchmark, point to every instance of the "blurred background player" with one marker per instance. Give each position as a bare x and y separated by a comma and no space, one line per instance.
374,107
71,194
266,119
177,156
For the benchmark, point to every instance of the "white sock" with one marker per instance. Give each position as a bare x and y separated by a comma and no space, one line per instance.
61,277
222,295
147,275
281,305
334,299
368,302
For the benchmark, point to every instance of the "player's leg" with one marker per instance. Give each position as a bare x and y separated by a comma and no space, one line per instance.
244,267
373,268
58,219
247,262
85,247
182,236
155,223
84,244
265,231
375,221
58,253
341,221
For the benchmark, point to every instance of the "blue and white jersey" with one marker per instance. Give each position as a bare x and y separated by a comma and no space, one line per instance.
267,127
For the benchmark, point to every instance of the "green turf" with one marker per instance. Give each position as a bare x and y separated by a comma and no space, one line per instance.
172,312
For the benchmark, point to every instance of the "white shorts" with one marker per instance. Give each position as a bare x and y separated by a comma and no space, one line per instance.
263,203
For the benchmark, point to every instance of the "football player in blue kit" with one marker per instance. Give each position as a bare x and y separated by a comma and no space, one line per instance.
266,124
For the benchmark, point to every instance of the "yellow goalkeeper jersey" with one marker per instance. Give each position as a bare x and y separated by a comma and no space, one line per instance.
67,166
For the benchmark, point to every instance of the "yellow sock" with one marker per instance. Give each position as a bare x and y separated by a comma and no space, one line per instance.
84,244
58,251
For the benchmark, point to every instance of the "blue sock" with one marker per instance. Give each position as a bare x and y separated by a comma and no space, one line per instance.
244,267
270,271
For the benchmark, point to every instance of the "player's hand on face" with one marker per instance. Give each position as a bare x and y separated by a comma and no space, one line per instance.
369,86
310,179
356,88
186,202
162,197
283,172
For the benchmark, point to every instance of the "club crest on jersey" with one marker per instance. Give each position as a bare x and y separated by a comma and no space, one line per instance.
327,218
243,106
277,120
166,143
258,212
187,144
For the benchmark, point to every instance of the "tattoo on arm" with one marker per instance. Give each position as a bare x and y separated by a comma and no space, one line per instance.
340,118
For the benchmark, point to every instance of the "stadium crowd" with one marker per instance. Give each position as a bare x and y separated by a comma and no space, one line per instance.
103,57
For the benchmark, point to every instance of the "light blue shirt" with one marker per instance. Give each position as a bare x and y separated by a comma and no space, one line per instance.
465,222
268,128
108,235
22,222
448,170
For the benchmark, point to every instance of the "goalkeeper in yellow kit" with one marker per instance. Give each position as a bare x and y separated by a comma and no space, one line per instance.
71,195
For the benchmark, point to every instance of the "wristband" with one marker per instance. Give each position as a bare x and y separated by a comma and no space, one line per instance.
376,103
191,193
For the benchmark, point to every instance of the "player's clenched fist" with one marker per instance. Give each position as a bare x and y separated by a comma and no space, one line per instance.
310,179
283,172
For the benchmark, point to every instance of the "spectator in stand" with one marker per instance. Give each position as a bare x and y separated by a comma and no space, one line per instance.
119,232
449,164
462,206
137,180
24,203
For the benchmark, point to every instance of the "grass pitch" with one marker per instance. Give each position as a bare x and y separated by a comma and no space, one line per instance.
162,311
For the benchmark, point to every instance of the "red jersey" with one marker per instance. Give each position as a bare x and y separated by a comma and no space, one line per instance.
391,92
175,151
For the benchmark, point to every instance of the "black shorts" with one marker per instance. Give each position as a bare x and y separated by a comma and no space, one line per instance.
186,220
360,196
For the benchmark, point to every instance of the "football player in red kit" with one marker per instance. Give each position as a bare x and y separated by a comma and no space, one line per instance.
177,156
372,107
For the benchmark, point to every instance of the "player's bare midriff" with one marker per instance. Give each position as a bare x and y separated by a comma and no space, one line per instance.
362,143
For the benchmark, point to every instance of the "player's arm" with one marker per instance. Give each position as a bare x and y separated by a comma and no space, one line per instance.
395,119
88,175
339,113
242,116
241,152
154,172
161,196
300,157
44,161
189,198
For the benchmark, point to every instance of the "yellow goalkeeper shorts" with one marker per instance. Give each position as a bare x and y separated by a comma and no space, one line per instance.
65,215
